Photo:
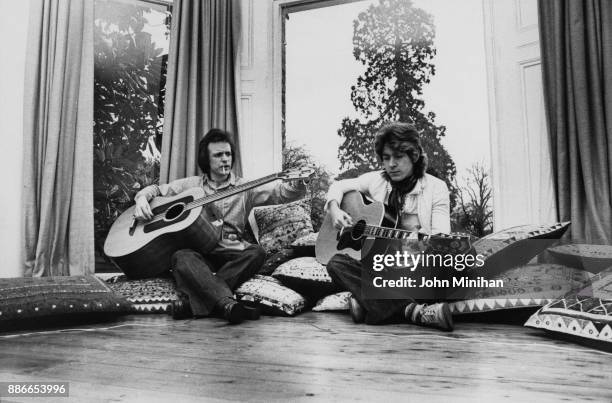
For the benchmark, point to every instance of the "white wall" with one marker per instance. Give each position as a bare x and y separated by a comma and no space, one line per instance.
13,31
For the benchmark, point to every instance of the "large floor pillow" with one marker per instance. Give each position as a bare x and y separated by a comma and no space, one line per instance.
516,246
593,258
276,259
28,301
528,286
334,302
305,245
306,276
151,295
272,295
585,315
276,227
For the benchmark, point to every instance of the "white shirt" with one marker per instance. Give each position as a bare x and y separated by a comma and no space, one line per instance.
429,199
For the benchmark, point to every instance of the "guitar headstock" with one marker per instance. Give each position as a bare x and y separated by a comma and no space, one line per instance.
296,173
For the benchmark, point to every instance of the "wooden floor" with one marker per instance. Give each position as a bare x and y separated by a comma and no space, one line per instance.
313,357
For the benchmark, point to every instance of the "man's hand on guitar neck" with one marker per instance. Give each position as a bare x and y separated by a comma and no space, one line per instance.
142,210
339,217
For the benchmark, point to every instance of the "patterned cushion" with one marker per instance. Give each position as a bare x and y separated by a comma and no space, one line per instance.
593,258
30,299
334,302
586,315
269,292
152,295
276,227
306,276
305,245
532,285
516,246
276,259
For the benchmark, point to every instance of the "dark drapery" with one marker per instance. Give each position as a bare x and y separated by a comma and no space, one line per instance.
576,43
202,80
58,139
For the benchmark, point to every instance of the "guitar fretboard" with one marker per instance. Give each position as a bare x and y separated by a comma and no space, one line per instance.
387,233
222,194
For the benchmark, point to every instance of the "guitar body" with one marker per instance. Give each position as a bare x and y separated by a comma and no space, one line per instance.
351,241
144,249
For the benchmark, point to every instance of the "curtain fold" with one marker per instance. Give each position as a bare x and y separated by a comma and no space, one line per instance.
576,43
58,139
202,82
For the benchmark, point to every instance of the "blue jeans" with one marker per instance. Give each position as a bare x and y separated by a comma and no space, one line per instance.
208,279
346,273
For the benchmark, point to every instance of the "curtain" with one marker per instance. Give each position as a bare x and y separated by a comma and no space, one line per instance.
576,43
58,139
202,82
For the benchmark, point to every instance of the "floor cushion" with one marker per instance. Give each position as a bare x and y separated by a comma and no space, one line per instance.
30,299
276,227
516,246
585,315
334,302
305,245
306,276
528,286
593,258
151,295
276,259
272,295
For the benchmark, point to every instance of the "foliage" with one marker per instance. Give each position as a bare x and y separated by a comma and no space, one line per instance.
394,41
296,157
128,113
473,212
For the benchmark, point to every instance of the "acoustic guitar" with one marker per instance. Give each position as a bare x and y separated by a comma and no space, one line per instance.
373,221
144,248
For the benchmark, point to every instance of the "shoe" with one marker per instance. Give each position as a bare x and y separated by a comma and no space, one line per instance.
252,309
232,311
357,312
435,315
180,308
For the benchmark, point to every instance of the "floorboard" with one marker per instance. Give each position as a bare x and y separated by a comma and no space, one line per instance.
315,356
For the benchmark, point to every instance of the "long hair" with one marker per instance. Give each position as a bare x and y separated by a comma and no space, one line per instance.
405,138
213,136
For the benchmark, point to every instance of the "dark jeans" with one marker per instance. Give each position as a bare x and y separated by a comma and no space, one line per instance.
208,279
346,273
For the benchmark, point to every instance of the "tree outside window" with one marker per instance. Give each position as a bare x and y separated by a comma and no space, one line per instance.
131,51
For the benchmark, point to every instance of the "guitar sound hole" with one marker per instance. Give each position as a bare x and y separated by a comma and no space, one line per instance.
358,230
174,211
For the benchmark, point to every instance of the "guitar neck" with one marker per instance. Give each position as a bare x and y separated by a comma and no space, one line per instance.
387,233
230,192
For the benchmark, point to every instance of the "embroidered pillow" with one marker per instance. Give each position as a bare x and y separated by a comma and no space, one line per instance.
306,276
28,300
152,295
276,227
516,246
585,316
334,302
272,295
528,286
593,258
276,259
305,245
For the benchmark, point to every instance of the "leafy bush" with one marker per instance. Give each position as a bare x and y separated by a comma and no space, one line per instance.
296,157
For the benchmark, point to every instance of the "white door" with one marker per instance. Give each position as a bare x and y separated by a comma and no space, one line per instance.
521,164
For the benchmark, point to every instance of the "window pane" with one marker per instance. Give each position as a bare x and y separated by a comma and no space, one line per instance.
131,51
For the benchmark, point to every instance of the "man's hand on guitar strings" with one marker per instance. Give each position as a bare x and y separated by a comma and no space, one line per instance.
340,218
142,210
